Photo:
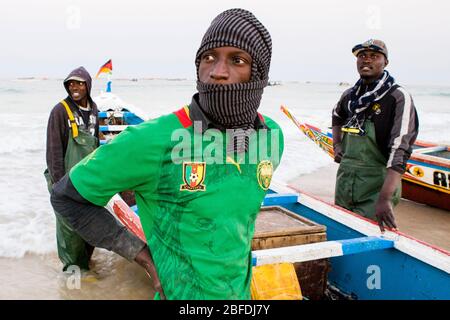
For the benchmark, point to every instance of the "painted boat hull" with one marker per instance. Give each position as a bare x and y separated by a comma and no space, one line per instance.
410,270
115,115
414,192
427,177
407,269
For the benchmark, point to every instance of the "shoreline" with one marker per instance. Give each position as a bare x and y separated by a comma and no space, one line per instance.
40,277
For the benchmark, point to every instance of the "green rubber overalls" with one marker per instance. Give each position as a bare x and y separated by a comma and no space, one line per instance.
72,249
361,173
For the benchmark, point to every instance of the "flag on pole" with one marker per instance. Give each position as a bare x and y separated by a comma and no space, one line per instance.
106,68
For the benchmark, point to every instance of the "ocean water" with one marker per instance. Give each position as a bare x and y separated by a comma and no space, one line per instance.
27,223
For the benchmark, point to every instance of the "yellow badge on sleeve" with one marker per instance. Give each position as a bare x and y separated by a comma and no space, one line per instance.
264,174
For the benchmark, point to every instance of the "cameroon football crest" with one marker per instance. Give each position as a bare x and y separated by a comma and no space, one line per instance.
193,176
264,174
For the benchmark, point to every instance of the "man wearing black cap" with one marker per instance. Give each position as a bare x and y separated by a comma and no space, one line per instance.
375,125
72,133
197,201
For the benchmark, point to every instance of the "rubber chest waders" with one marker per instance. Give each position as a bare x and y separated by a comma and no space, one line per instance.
72,249
361,173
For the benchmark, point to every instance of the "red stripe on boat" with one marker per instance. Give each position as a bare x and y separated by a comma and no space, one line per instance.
355,215
313,128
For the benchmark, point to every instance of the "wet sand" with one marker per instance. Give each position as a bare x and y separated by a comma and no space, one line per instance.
423,222
40,276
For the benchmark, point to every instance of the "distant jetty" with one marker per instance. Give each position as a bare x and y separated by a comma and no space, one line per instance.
274,83
133,79
31,78
166,79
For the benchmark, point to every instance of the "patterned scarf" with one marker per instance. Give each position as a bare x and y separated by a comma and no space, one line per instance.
357,105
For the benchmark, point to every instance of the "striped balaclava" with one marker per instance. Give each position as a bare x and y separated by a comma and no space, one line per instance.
234,106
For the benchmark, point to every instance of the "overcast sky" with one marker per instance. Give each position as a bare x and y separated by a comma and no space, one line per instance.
312,40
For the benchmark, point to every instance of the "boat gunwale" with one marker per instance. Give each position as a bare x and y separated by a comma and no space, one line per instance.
419,249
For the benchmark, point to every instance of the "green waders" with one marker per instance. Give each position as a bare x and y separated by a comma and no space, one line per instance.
72,249
361,174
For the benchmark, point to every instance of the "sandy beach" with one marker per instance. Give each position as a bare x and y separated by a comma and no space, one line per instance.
40,276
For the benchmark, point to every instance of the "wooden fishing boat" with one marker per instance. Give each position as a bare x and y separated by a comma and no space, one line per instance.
347,251
365,264
335,248
427,176
115,115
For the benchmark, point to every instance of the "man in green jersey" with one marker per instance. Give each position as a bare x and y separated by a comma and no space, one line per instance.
199,174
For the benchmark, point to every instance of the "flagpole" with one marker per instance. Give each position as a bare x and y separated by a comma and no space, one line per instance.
108,84
106,68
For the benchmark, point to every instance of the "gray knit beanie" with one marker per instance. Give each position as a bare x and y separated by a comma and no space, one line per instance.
239,28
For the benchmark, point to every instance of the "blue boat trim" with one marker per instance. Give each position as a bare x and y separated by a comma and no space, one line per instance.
425,164
320,250
364,244
275,199
112,128
104,114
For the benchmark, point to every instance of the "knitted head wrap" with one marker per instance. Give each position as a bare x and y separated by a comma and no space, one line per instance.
235,106
239,28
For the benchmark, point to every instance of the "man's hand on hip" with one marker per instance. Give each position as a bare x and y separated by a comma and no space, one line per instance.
145,260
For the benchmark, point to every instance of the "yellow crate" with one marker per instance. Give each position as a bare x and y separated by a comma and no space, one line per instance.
275,282
278,227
